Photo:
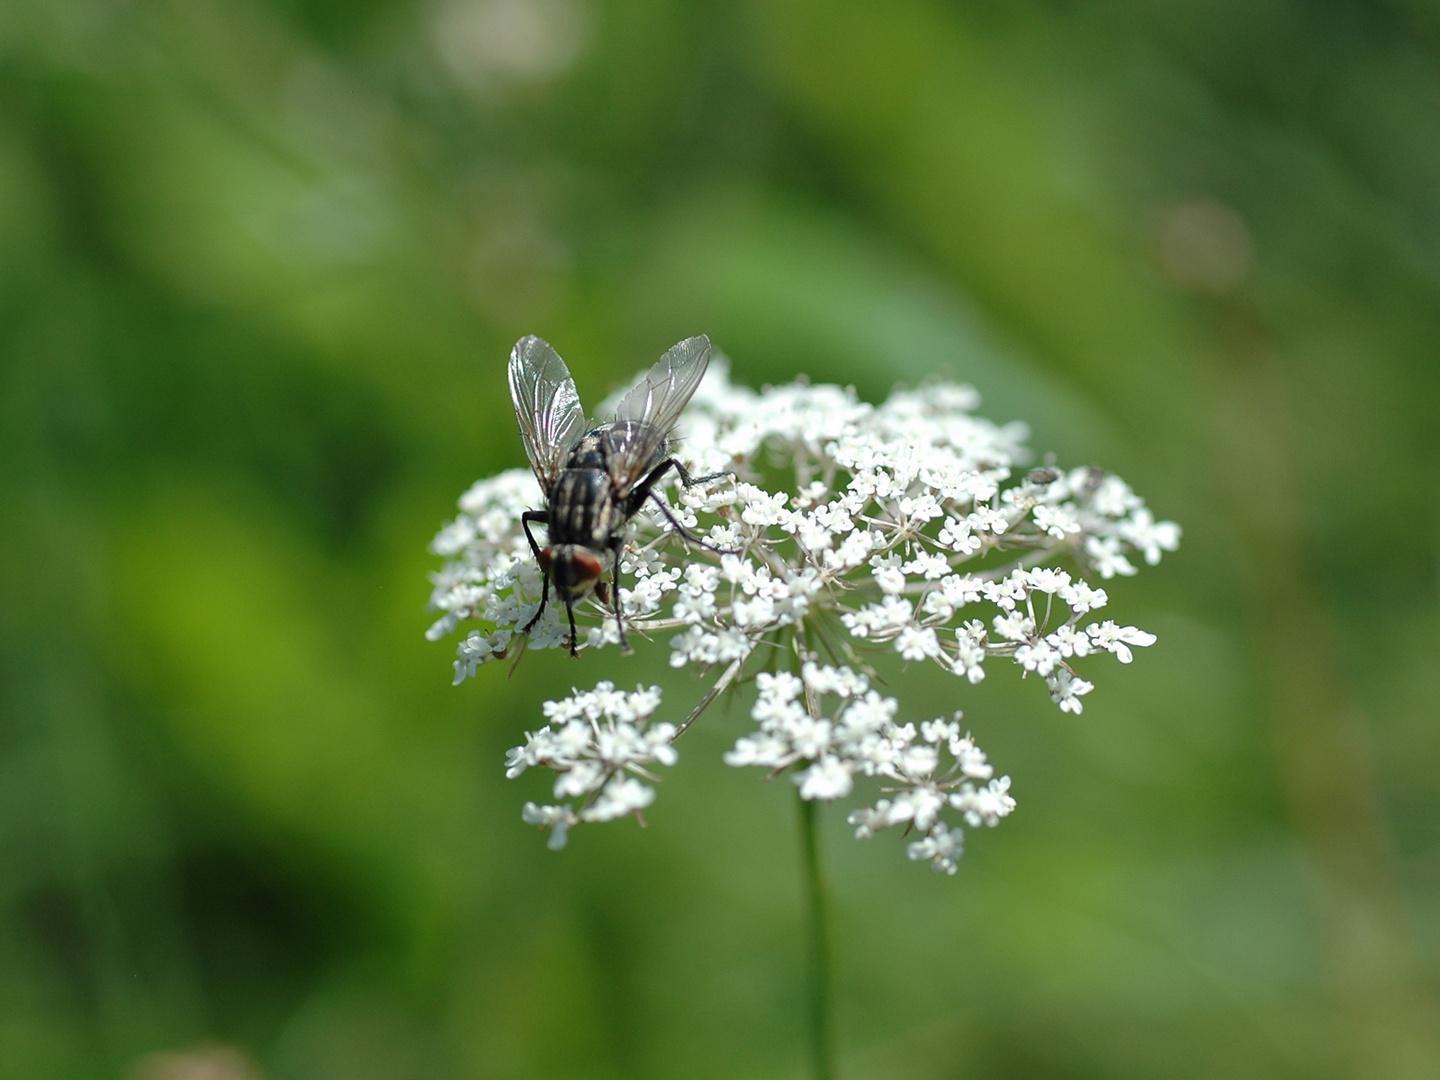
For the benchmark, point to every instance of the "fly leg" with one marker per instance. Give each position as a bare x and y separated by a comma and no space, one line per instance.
544,597
682,530
685,477
646,489
543,517
637,496
570,611
615,550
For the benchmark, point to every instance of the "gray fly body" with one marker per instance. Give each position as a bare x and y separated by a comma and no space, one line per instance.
595,479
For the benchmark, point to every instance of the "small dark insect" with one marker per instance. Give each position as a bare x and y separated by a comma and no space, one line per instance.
595,480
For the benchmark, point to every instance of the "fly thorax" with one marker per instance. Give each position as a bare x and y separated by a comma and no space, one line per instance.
631,437
589,452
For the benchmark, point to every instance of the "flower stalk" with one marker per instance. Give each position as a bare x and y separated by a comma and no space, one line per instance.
817,988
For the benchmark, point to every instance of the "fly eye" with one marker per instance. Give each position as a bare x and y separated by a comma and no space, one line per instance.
545,559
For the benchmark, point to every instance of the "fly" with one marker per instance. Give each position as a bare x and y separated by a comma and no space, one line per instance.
596,480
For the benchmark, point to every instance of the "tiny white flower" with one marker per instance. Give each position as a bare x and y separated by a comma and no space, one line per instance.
956,536
829,680
888,574
942,848
779,686
988,519
558,819
917,643
971,759
1107,556
920,805
870,820
1150,537
622,795
1110,495
930,565
871,712
1038,656
969,657
1014,626
1082,597
766,751
1069,641
1117,639
1047,579
918,761
986,805
937,731
852,552
829,778
1066,690
762,508
1058,521
580,778
1007,592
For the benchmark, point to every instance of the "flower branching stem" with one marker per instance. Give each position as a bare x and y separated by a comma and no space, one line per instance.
715,691
905,528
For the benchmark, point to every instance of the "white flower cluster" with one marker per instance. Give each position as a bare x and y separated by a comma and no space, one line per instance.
928,769
598,749
903,527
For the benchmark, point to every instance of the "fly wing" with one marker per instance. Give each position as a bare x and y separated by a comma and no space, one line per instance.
651,408
658,399
547,406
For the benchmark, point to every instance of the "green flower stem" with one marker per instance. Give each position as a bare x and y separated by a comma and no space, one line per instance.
818,989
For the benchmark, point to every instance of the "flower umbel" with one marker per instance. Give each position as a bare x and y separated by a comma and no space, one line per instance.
596,745
903,527
925,770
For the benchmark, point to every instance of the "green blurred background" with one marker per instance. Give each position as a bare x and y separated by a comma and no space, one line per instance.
260,267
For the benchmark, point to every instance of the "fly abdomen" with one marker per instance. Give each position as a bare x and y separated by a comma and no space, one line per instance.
582,509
